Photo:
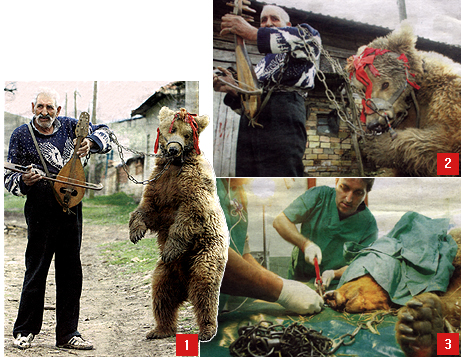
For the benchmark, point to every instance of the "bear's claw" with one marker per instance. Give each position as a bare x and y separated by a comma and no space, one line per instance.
137,227
156,334
419,322
207,333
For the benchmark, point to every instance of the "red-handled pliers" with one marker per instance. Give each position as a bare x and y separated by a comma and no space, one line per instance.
318,279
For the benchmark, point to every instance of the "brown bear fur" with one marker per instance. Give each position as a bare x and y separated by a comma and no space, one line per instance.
420,319
181,205
414,151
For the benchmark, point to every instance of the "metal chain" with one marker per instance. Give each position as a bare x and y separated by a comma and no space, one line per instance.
377,318
120,149
322,78
266,339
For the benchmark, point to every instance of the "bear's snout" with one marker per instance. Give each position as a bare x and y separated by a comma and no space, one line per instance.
174,150
175,146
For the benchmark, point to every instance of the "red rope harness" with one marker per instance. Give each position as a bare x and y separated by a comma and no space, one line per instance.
188,118
366,58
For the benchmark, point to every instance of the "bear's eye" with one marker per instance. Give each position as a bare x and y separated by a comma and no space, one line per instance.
173,130
385,85
186,136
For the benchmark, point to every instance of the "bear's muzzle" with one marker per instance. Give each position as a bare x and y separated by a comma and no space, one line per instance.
175,146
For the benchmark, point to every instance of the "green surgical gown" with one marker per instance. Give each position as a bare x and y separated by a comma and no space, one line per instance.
233,201
317,212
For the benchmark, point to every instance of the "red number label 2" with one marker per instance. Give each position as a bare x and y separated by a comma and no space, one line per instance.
448,164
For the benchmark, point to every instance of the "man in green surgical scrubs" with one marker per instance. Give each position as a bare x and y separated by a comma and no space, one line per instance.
244,276
329,218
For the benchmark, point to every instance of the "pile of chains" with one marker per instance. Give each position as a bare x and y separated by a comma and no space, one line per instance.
343,115
266,339
120,149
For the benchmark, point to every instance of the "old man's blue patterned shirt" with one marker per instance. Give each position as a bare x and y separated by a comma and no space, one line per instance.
57,149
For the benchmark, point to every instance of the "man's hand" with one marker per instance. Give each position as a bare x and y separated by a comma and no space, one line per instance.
31,177
233,24
299,298
327,277
84,148
312,250
218,84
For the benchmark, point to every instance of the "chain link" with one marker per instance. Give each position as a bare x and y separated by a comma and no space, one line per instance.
266,339
342,113
120,149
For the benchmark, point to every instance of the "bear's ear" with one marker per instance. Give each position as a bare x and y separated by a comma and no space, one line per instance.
202,122
165,113
403,40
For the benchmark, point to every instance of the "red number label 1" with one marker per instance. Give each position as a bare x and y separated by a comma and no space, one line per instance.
187,345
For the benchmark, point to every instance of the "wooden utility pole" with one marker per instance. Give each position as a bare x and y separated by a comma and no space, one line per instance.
92,172
66,105
75,104
402,10
95,96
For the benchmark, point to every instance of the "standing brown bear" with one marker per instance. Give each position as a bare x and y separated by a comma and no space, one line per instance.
181,205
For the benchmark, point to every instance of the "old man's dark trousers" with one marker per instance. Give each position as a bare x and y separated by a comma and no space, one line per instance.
51,232
277,149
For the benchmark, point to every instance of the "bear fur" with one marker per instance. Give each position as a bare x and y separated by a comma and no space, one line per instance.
413,152
420,319
181,205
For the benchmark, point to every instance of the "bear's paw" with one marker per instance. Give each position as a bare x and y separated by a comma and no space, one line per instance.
419,322
137,227
157,333
207,333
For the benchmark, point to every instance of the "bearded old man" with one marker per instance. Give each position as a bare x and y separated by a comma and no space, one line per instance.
51,231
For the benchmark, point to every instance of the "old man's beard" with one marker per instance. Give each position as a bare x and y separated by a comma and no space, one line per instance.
44,124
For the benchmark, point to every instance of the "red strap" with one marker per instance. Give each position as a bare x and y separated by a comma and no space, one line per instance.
366,58
189,118
156,141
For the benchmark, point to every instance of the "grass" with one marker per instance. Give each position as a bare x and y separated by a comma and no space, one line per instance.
13,203
113,210
109,210
101,210
135,258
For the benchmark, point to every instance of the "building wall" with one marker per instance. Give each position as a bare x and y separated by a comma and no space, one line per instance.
327,154
11,122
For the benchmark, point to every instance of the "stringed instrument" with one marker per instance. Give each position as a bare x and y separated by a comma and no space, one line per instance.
248,85
67,193
69,183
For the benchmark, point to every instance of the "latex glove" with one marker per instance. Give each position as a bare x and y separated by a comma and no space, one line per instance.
327,277
299,298
312,250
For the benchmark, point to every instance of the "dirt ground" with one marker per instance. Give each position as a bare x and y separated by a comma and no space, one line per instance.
115,309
